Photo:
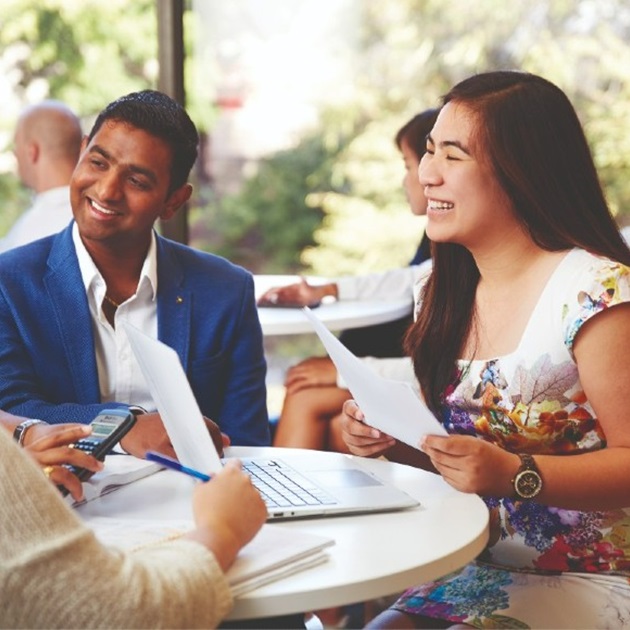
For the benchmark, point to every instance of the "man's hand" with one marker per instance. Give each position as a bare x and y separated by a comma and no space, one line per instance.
221,440
53,451
149,434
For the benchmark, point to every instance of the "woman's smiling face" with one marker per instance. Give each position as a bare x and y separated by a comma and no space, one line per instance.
466,204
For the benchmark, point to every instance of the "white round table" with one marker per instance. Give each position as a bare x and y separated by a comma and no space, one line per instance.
374,555
340,315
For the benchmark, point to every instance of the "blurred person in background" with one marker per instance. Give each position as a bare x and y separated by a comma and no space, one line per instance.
47,143
315,392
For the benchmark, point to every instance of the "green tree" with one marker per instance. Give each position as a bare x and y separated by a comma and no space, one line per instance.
79,52
272,219
83,51
332,203
414,50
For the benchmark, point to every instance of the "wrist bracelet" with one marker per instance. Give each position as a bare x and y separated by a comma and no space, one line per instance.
19,433
137,410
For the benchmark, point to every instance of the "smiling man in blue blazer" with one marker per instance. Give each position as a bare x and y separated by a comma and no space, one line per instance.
63,355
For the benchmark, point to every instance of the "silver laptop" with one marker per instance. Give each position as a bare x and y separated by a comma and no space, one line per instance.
292,488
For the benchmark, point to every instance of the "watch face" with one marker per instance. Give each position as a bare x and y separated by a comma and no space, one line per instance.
528,484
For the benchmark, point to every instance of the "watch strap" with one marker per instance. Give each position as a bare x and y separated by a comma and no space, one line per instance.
19,433
137,410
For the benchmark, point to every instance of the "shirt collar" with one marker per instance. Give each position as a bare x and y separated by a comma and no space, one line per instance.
58,195
92,278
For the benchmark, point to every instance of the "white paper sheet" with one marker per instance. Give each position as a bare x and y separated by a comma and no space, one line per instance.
389,406
175,401
273,554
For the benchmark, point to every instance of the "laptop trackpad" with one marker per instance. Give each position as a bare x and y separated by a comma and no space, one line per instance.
344,478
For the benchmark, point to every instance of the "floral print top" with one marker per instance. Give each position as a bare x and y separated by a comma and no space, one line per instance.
531,401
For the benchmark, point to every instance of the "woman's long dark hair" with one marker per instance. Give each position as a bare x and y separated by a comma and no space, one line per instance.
540,156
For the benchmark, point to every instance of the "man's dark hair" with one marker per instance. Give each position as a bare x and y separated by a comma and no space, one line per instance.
161,116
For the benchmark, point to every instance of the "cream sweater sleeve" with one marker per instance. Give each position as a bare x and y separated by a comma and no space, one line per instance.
55,574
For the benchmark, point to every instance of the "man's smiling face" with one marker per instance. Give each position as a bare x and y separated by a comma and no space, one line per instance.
120,186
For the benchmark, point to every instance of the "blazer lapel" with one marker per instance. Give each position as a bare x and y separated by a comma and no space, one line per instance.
174,306
71,316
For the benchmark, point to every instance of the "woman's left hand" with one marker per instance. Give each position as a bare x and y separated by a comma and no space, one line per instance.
473,465
360,438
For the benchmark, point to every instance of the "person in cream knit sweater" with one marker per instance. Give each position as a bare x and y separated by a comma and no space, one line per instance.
54,573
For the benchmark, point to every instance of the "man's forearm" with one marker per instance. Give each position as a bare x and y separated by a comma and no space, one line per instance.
9,421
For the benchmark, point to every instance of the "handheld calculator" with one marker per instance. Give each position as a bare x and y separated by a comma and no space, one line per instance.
108,428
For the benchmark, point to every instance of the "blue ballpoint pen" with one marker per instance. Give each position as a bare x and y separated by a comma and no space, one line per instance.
175,465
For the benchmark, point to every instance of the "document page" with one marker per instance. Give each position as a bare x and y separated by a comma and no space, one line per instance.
171,392
119,471
273,554
389,406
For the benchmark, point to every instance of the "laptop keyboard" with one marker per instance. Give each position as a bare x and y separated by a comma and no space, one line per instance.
282,486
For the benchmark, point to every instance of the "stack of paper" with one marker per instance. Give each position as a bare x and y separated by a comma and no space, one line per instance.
119,470
273,554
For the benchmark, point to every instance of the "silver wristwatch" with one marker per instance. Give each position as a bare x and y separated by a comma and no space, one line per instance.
19,433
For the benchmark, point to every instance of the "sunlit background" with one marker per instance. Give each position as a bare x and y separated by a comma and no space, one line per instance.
298,102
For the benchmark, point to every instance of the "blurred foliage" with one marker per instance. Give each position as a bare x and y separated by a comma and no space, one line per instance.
85,53
368,226
412,51
271,220
14,199
332,203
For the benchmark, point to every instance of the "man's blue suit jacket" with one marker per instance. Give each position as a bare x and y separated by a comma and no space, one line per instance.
206,311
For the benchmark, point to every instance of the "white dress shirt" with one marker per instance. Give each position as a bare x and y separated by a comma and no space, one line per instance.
119,375
388,285
393,284
49,214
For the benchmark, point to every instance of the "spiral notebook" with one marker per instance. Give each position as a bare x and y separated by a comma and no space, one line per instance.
341,486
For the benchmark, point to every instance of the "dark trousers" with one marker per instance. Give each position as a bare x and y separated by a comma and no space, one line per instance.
288,622
382,340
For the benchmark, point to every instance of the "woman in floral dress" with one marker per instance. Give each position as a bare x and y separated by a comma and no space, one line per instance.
520,347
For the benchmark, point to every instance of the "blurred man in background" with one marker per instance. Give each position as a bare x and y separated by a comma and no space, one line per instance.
47,143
